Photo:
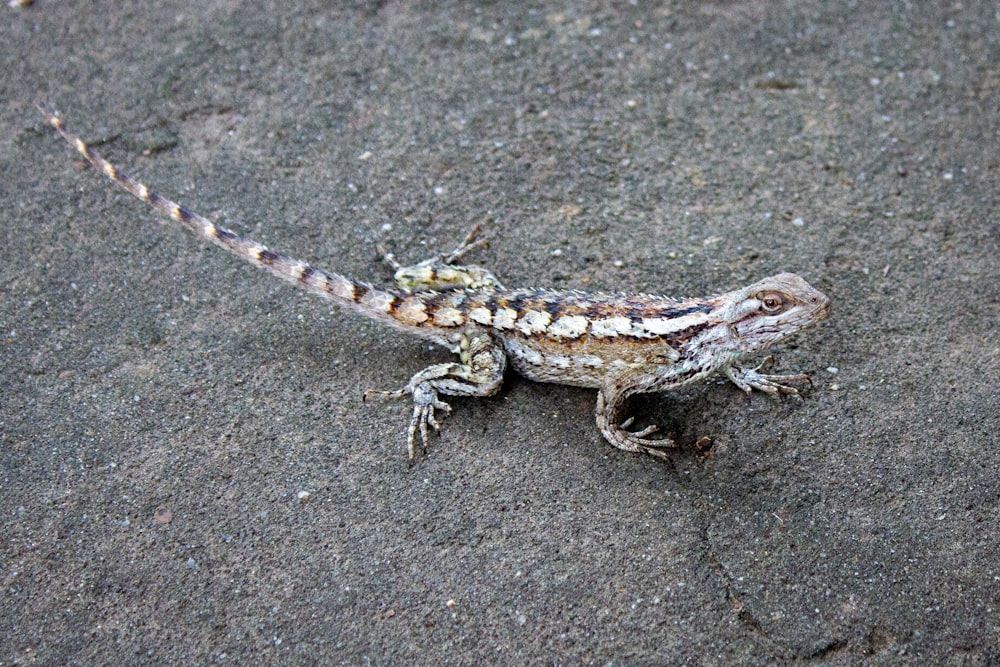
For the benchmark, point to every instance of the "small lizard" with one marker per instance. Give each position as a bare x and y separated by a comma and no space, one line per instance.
620,344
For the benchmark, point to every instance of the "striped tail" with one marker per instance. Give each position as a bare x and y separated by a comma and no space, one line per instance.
372,301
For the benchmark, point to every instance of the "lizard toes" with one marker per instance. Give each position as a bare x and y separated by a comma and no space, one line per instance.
382,393
657,452
635,441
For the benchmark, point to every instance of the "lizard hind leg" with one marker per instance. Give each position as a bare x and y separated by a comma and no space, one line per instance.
611,399
479,372
440,272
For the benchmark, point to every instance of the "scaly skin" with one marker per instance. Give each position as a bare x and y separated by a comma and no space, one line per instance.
620,344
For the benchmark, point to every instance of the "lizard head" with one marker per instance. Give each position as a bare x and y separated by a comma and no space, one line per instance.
771,310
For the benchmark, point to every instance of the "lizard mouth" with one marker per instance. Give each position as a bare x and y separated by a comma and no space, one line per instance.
824,310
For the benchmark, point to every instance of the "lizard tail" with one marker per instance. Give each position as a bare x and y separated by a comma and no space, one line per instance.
392,306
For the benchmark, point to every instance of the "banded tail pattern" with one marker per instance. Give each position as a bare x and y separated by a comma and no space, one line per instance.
397,307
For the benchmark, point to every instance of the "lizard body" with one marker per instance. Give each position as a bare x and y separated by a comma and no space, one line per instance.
618,343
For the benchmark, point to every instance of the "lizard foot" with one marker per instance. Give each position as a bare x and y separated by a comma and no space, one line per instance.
425,402
440,272
636,441
468,244
480,373
749,379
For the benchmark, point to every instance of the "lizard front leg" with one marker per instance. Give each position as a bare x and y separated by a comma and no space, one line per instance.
611,397
479,372
749,379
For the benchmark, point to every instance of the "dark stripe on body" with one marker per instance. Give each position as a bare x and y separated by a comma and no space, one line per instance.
678,338
516,303
703,307
494,302
554,307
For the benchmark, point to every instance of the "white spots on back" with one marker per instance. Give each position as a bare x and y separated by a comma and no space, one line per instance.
481,315
412,312
377,301
448,317
647,327
504,318
658,326
568,326
533,322
612,327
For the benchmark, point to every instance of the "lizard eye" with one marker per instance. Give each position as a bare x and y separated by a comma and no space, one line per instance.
772,302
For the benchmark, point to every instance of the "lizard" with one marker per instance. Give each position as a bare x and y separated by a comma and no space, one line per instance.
620,344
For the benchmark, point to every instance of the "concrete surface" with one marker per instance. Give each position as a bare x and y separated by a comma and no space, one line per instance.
188,474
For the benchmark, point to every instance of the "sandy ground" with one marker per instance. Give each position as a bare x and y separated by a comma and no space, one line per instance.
188,474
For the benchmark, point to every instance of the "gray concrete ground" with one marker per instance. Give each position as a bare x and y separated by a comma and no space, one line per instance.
188,474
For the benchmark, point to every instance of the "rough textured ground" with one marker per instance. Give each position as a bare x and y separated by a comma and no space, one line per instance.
162,406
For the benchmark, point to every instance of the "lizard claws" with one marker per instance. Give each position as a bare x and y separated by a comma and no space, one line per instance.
636,441
638,435
749,379
425,402
469,243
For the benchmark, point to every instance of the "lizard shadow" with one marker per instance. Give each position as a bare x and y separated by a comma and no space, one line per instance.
688,416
